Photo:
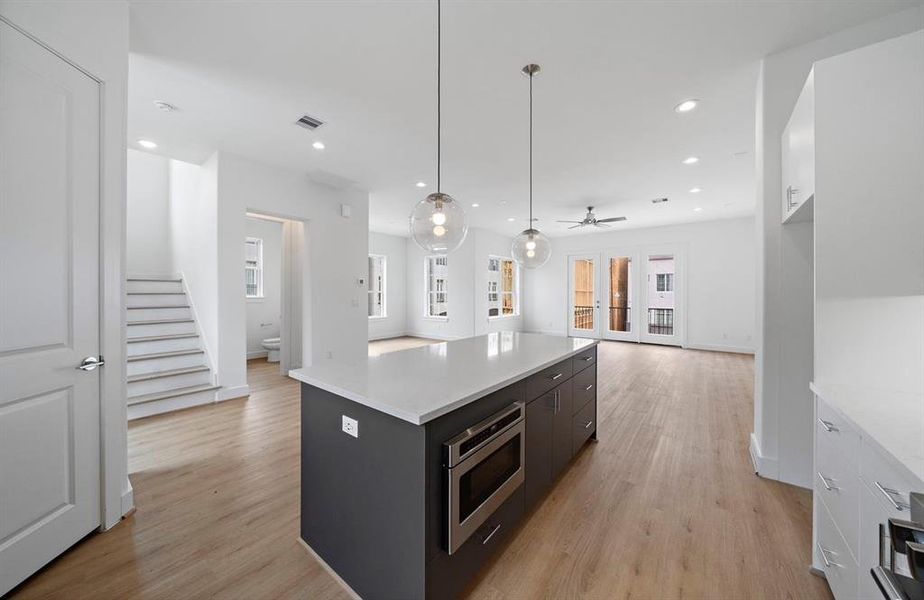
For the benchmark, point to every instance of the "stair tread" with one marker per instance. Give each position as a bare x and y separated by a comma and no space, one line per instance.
167,373
193,389
156,293
157,338
159,321
171,279
150,307
138,357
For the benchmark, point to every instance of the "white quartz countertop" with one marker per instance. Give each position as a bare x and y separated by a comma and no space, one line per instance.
421,384
891,420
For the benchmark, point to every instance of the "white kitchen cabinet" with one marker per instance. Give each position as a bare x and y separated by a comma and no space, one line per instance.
798,157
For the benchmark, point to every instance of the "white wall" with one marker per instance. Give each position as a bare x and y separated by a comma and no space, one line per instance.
782,439
263,314
337,255
467,285
148,251
94,35
719,262
394,249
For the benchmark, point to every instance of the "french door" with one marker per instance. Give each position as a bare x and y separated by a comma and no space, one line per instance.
49,306
629,295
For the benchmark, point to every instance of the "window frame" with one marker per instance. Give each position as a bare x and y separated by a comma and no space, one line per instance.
668,279
260,295
428,293
383,291
499,292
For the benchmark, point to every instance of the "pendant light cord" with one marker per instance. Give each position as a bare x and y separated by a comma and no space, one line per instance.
439,64
530,151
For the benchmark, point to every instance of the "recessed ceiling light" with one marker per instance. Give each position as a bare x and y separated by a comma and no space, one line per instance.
695,190
686,105
475,205
318,145
421,184
147,144
690,160
698,209
511,219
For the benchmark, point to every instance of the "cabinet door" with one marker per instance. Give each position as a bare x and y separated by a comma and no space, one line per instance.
561,429
539,419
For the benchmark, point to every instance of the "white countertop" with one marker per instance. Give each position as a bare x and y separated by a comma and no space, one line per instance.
893,421
421,384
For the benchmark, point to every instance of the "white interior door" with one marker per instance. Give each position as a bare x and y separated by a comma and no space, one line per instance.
661,299
49,305
584,296
619,276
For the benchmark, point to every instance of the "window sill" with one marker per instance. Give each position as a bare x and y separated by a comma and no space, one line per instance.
503,317
256,298
377,318
429,318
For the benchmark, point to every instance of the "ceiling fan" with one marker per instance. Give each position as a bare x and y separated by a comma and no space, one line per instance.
591,219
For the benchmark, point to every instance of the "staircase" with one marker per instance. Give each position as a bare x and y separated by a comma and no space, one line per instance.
167,365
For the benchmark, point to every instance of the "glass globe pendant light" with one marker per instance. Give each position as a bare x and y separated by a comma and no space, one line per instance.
437,223
531,249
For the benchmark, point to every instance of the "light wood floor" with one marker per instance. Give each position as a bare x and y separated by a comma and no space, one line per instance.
379,347
665,505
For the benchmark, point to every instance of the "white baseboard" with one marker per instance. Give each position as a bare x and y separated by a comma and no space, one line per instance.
720,348
158,407
546,332
230,393
141,275
257,354
128,499
434,336
766,467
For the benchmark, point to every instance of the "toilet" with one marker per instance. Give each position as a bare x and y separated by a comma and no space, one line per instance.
272,347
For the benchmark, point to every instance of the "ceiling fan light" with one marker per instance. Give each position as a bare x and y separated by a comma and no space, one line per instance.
531,249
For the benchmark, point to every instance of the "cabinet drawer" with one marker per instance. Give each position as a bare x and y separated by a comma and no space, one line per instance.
892,486
875,511
833,430
836,560
585,387
548,378
584,359
583,424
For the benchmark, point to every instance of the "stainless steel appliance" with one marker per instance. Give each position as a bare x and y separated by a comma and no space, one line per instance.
903,577
484,466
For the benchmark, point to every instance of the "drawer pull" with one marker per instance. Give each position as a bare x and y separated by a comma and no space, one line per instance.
554,377
587,358
589,423
587,389
890,494
825,481
490,535
828,425
824,556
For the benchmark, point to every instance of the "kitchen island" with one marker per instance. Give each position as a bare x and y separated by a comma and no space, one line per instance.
417,465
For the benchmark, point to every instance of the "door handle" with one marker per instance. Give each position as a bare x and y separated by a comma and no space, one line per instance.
90,363
826,481
828,425
824,556
890,494
490,535
587,389
589,423
554,377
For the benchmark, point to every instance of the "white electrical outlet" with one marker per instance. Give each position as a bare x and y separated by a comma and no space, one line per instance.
350,426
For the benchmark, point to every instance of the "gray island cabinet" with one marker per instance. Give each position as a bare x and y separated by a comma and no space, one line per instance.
417,466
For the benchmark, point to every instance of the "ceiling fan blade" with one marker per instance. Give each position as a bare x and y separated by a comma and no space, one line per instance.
599,224
576,226
569,221
611,220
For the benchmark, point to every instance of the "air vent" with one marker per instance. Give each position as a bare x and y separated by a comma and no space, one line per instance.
659,200
309,123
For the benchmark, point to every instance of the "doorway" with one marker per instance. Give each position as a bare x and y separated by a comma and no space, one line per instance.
631,295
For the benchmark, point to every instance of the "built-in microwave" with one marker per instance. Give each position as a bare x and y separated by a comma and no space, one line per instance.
484,465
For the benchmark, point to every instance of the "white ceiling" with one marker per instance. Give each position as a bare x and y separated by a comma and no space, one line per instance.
605,130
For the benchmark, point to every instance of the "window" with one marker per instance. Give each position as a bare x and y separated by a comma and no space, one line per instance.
665,282
253,267
376,286
437,297
503,283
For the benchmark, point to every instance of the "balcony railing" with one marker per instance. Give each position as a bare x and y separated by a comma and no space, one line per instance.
583,317
661,321
620,319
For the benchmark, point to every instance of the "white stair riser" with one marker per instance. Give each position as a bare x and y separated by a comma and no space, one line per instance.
151,365
155,300
135,331
163,384
148,314
157,407
154,286
137,348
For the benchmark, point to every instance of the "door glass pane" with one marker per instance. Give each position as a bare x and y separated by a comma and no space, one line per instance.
661,294
583,300
620,292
